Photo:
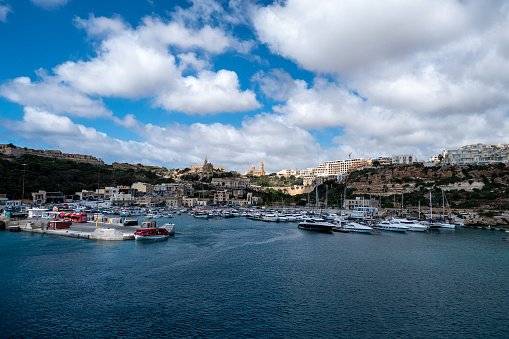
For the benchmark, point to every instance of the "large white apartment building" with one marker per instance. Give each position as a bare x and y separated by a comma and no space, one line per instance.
340,166
478,154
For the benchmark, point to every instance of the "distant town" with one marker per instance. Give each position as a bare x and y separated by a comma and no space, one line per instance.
228,189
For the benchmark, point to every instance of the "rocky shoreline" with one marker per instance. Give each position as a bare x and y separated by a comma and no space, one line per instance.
479,220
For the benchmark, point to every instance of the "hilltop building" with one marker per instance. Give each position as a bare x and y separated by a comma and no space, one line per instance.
341,166
207,168
478,154
256,173
403,159
288,173
9,149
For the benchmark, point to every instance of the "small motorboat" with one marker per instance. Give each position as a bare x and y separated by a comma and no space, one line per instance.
153,233
15,229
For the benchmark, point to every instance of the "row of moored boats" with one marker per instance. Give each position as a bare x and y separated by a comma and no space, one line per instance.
393,225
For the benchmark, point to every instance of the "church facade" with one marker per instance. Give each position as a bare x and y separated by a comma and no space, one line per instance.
256,173
207,168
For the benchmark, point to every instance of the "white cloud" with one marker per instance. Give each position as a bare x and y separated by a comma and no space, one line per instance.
136,64
208,93
123,68
155,32
264,136
4,10
374,130
53,96
49,4
102,27
276,84
189,61
62,133
348,35
407,75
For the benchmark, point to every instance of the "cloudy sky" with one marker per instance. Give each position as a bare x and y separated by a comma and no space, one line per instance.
294,82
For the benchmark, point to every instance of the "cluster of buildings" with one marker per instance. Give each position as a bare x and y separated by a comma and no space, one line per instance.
9,149
234,190
224,191
478,154
337,169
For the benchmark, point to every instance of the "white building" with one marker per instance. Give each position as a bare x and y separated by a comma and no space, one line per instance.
121,198
287,173
479,154
403,159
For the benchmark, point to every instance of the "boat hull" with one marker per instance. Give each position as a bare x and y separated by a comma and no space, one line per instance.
316,226
151,234
151,237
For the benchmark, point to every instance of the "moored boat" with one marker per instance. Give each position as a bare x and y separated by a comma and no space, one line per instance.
413,225
153,233
356,227
14,229
316,225
201,214
387,225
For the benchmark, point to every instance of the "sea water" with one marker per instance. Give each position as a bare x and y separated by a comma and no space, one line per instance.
234,278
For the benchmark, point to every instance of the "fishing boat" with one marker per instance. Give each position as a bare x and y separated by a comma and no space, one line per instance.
317,225
153,233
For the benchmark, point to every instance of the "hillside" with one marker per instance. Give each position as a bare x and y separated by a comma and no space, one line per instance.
53,175
485,187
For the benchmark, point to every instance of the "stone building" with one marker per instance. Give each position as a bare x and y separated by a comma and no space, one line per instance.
231,182
206,169
256,173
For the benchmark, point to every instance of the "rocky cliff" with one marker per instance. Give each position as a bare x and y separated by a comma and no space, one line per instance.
488,185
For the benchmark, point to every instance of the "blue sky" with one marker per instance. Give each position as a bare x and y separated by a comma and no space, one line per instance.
296,83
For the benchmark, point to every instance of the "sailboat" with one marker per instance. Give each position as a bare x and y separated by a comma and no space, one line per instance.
432,225
438,224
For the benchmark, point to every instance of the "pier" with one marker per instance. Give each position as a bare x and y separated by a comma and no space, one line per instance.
88,230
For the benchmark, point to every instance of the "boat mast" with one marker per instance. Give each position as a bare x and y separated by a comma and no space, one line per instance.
316,201
326,194
430,207
443,204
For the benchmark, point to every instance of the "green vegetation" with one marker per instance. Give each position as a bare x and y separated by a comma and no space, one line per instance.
54,175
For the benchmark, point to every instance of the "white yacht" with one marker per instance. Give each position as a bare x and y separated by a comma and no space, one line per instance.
445,225
356,227
413,225
387,225
270,217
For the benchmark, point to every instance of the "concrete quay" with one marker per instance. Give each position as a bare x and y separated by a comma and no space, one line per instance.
103,231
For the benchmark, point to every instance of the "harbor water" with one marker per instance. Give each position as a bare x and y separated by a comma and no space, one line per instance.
234,278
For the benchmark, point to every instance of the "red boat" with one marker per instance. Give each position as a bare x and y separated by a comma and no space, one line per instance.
152,233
